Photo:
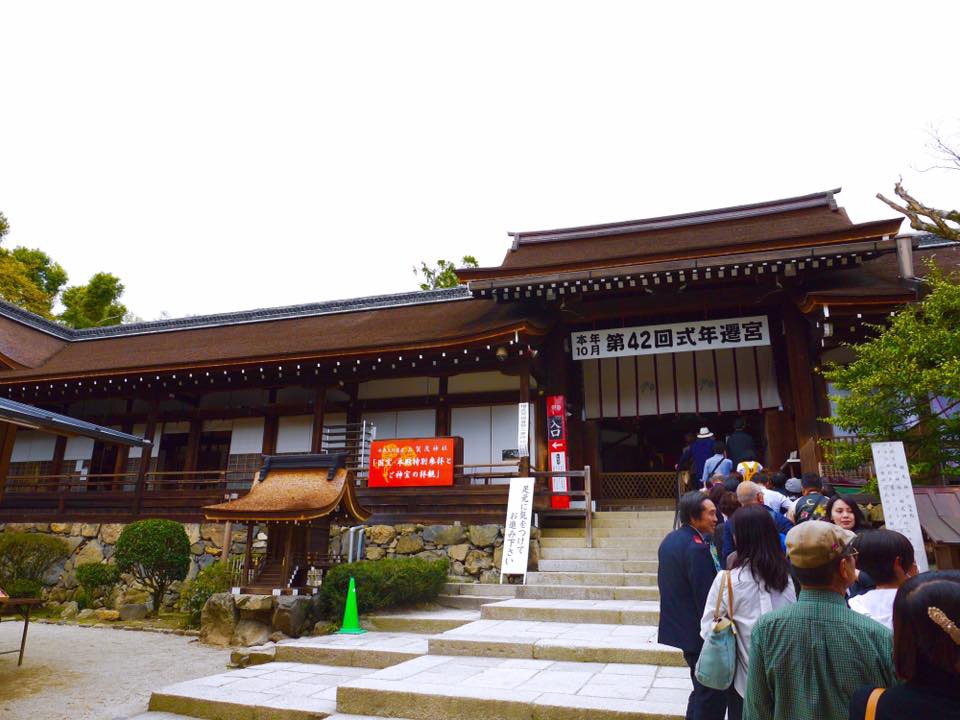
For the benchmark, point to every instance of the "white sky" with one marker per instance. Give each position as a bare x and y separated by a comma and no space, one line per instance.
224,156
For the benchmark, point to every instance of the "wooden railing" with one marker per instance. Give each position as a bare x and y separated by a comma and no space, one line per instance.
107,494
625,486
586,494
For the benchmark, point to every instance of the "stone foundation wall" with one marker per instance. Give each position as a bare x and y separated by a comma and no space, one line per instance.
474,551
95,542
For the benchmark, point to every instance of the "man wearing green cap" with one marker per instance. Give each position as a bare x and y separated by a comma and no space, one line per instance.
807,659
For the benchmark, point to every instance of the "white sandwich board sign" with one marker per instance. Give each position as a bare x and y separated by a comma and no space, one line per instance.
896,495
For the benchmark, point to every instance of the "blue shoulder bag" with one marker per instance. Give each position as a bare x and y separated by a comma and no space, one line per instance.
718,659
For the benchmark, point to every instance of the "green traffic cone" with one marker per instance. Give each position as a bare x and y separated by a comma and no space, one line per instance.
351,618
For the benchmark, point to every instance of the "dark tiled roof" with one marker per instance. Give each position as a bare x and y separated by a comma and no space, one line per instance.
234,318
52,422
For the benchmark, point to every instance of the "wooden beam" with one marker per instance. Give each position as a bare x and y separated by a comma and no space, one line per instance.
248,555
59,450
271,428
193,445
442,427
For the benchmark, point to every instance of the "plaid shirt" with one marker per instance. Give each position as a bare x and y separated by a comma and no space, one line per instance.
807,659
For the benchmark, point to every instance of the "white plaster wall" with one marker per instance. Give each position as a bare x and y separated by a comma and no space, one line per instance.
32,446
78,448
404,423
247,436
293,434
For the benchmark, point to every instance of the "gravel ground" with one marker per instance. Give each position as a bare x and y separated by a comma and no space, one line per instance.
94,673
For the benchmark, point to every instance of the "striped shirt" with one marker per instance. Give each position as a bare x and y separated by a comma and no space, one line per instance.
807,659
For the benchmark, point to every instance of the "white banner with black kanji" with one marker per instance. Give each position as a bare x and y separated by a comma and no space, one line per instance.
693,336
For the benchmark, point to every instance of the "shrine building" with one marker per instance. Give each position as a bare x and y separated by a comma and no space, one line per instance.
637,332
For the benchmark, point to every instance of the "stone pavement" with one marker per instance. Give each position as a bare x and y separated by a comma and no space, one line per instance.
579,652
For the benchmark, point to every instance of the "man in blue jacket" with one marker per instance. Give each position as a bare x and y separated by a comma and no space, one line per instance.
685,573
696,454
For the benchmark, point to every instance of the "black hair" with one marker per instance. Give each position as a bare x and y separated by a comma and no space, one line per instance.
860,522
779,482
719,447
748,456
921,647
827,490
729,503
691,506
878,550
758,546
732,481
811,480
740,423
716,492
818,576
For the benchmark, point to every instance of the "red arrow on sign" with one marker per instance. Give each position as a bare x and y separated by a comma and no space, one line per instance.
558,445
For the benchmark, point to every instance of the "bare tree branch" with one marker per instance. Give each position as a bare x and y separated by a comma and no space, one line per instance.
925,218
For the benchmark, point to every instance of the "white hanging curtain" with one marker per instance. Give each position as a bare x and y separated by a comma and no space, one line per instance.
706,381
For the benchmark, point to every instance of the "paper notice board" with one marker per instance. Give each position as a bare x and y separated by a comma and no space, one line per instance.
516,531
896,495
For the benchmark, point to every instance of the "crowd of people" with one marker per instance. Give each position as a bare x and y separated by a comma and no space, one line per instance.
832,619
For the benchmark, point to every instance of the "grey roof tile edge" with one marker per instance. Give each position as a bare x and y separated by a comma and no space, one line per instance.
331,307
21,413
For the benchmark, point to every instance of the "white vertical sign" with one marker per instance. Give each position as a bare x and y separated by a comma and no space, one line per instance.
896,495
516,529
523,429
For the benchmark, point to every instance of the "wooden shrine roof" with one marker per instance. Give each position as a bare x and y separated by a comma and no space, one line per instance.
292,494
779,224
455,320
36,418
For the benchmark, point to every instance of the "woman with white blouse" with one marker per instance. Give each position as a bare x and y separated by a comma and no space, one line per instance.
761,583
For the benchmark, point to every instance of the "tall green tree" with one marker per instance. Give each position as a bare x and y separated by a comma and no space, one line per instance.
905,385
95,304
32,280
444,275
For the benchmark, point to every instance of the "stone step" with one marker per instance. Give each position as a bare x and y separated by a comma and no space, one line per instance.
485,589
468,602
598,566
592,578
428,620
294,691
557,641
623,612
615,519
371,650
601,532
438,686
627,552
618,540
587,592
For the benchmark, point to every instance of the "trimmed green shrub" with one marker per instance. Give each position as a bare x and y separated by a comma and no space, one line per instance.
28,556
96,579
157,552
215,578
382,584
23,588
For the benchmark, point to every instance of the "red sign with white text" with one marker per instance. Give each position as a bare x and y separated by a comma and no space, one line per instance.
557,445
412,462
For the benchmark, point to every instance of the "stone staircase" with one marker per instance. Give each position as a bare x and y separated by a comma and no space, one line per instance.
577,641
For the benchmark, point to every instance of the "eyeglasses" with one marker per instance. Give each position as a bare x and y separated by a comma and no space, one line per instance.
850,552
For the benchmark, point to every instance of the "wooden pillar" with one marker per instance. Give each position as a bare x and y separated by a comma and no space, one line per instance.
525,398
591,457
801,386
193,445
271,426
8,436
247,555
442,427
287,546
319,406
59,450
123,457
145,454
